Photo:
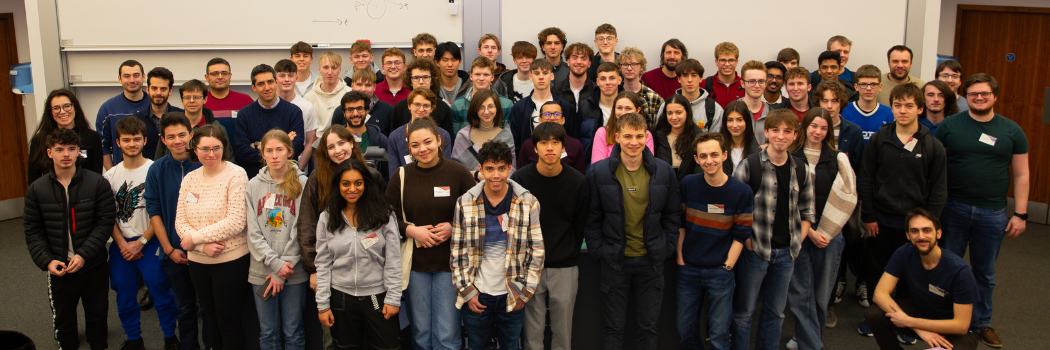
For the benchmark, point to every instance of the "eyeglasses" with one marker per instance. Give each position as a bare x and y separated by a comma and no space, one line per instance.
353,110
776,78
193,97
867,86
949,76
218,74
726,62
217,149
420,106
755,82
605,39
631,65
393,63
985,94
66,107
420,77
551,115
488,108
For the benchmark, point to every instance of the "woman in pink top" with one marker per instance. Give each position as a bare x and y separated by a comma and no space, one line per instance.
605,137
211,220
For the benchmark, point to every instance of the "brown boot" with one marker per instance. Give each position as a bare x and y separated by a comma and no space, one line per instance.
988,337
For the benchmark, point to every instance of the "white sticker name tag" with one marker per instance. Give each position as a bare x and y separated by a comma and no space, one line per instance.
83,153
270,199
408,159
369,241
911,144
716,208
987,139
192,197
442,191
564,154
937,290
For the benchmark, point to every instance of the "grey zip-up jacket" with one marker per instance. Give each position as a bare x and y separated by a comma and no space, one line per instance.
358,263
272,236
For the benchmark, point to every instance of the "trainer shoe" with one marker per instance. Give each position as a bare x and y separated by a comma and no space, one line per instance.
136,344
864,330
792,344
830,320
906,340
862,295
172,343
840,287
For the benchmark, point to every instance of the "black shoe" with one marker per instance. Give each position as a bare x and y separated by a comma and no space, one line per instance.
136,344
145,301
172,343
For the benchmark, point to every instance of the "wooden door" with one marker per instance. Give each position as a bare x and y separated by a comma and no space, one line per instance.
14,148
1010,44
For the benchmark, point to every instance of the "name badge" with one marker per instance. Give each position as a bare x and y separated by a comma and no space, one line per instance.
270,199
442,191
192,197
911,144
716,208
564,154
83,153
370,241
503,221
987,139
408,158
937,290
233,114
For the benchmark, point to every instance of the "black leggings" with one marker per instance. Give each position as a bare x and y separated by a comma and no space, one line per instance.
222,290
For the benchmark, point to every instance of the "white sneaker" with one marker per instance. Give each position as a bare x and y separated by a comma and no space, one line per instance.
792,344
862,295
840,288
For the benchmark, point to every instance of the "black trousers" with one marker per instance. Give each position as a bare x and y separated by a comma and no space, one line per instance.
354,314
880,249
886,332
222,289
647,281
90,286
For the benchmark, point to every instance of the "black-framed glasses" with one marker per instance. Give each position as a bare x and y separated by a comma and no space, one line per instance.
66,107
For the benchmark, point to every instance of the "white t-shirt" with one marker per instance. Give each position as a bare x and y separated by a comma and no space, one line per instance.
606,112
523,87
302,87
738,156
536,112
128,187
309,121
576,93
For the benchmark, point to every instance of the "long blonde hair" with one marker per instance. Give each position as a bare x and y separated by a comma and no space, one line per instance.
289,185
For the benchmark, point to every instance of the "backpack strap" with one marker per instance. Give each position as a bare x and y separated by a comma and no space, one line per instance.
754,168
709,85
709,108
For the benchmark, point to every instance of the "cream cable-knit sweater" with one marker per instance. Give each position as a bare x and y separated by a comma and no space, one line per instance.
213,210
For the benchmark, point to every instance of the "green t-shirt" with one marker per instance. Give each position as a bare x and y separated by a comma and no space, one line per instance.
635,186
979,157
363,142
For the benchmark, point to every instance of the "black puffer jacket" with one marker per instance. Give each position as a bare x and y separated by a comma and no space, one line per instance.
606,238
48,219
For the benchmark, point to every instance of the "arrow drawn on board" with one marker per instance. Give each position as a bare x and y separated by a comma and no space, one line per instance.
337,22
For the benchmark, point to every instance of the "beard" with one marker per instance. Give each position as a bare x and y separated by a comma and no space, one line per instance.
670,65
933,244
356,122
981,112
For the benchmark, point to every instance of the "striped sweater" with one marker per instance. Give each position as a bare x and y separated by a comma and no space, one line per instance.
714,217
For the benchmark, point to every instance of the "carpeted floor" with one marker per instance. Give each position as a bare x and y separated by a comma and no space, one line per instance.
1022,301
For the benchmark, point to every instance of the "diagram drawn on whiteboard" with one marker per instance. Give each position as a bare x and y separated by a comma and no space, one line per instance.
375,9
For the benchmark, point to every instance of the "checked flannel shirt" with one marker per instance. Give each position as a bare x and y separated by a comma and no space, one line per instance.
800,203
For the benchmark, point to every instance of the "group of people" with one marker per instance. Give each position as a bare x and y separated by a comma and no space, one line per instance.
765,182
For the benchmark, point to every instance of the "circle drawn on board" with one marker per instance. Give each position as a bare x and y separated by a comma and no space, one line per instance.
1010,57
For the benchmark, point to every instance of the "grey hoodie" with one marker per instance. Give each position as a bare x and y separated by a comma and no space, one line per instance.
272,236
358,263
711,123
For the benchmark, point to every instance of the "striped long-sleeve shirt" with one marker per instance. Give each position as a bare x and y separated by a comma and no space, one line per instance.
525,252
800,203
714,217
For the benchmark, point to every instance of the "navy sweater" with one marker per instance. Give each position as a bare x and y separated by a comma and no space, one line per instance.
163,181
254,121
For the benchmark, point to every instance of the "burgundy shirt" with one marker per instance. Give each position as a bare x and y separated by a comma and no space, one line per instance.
222,107
384,94
660,83
724,94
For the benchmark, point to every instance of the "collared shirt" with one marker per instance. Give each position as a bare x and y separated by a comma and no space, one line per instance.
800,204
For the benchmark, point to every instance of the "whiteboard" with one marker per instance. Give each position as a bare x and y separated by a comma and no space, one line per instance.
760,28
225,23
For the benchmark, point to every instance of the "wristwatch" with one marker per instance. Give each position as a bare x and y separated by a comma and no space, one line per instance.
1022,216
143,240
727,267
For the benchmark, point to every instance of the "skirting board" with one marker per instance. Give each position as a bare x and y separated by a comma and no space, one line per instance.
12,208
1037,212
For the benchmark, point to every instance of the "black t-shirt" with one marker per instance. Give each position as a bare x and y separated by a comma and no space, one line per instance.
934,291
564,200
781,232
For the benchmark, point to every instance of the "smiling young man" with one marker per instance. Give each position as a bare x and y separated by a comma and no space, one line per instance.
596,110
986,154
950,72
903,168
480,78
497,251
515,84
361,58
286,77
719,210
552,43
605,41
753,79
192,95
775,71
163,182
220,99
393,88
354,106
490,47
525,115
633,231
632,63
68,217
130,101
798,87
663,79
943,291
377,112
789,57
784,211
866,112
159,82
269,112
725,85
423,45
326,92
134,251
829,65
551,180
578,86
452,82
707,114
303,56
900,61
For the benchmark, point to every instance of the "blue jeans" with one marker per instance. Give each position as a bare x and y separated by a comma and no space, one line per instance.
771,278
983,230
508,324
810,290
693,286
186,303
124,279
433,315
282,313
